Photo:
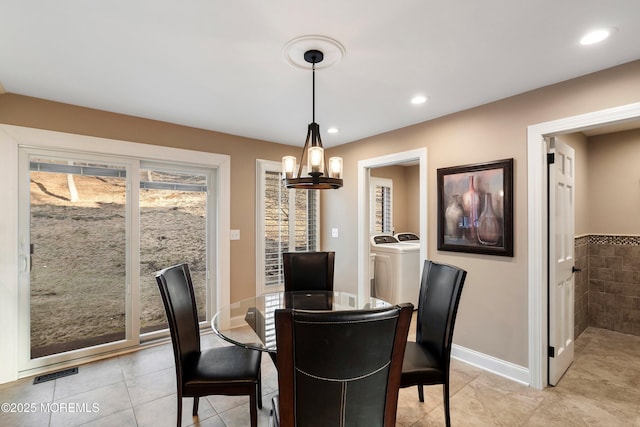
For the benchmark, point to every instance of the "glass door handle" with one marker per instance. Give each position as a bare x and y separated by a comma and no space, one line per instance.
23,263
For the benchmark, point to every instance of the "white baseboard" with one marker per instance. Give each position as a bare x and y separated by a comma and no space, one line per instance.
507,370
237,321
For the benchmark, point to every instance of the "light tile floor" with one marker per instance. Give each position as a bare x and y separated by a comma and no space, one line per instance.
602,388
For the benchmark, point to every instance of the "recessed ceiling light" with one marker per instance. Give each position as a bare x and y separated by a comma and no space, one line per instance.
332,130
419,99
596,36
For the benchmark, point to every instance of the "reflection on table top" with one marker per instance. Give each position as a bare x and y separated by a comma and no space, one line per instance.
250,322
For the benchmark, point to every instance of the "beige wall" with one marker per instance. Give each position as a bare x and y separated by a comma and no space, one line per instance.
406,209
607,182
412,180
492,318
493,314
614,183
30,112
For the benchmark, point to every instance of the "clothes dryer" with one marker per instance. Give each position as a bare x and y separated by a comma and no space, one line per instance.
397,270
407,237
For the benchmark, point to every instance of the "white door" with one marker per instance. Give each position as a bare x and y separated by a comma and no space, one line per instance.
561,258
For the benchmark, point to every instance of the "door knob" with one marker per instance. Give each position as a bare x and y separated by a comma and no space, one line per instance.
575,270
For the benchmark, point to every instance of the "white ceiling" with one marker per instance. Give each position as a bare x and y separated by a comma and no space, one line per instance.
218,65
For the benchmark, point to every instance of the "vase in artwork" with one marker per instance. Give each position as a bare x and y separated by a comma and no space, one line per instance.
488,224
453,216
471,204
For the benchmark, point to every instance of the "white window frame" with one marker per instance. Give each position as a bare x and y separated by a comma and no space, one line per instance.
262,167
375,182
14,257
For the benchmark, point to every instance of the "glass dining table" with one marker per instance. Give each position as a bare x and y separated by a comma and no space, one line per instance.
250,322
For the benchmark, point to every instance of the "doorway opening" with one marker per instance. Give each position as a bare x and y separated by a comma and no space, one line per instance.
419,157
538,223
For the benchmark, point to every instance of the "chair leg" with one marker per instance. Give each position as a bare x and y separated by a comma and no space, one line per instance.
421,392
252,409
179,409
196,400
447,415
259,385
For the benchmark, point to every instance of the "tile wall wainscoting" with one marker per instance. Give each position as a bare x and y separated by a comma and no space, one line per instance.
581,286
607,290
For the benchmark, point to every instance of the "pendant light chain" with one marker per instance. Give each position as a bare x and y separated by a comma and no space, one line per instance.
313,95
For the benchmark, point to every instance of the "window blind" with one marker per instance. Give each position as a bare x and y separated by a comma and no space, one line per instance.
383,209
290,224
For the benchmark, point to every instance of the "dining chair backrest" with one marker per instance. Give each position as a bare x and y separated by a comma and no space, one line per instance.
179,301
440,290
308,271
340,368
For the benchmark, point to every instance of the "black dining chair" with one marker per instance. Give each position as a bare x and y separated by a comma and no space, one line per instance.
427,360
339,368
227,370
308,271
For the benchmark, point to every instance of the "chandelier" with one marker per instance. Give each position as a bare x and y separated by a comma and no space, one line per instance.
321,175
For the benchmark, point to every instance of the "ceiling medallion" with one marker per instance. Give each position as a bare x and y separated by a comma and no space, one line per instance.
293,52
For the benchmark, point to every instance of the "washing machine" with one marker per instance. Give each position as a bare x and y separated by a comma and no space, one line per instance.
397,269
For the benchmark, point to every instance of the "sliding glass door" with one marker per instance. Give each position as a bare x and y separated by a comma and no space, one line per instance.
78,240
97,229
173,230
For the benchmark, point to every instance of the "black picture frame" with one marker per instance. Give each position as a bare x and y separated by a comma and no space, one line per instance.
466,221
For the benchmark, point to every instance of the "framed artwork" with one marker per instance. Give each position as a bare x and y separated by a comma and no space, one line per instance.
475,208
